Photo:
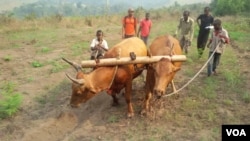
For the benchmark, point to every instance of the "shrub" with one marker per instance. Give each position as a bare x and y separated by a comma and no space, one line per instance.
7,58
10,100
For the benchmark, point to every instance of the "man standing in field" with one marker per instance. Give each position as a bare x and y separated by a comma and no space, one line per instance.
129,23
145,27
186,29
203,21
219,37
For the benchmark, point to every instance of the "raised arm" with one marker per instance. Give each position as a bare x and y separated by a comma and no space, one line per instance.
191,32
198,21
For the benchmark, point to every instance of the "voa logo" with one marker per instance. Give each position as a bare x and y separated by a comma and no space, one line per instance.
236,132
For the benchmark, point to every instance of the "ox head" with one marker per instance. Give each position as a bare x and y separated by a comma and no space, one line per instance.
81,90
164,72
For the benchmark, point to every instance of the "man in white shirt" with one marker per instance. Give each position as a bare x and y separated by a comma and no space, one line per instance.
98,46
186,31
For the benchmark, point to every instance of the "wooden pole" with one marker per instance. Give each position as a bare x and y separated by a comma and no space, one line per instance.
127,60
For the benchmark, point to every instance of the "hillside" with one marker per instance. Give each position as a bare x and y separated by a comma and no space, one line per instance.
41,8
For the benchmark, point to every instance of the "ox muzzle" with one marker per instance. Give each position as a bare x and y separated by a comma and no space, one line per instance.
158,93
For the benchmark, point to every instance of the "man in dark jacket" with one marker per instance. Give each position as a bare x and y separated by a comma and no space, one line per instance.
204,21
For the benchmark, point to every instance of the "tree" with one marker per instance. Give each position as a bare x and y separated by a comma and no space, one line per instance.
229,7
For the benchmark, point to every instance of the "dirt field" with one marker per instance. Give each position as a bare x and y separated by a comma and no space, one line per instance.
196,113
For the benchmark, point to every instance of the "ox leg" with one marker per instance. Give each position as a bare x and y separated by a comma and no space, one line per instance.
146,103
173,86
149,91
128,90
115,100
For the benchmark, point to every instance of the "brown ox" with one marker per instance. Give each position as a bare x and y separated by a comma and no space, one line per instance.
86,86
161,73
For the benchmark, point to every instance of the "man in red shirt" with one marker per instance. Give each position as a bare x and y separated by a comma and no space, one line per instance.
145,26
129,25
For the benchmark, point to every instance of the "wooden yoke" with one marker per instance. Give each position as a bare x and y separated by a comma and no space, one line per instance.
127,60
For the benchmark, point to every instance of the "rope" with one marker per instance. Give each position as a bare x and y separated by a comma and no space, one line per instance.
116,67
184,86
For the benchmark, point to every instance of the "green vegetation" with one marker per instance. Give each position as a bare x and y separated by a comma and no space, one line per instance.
230,7
10,100
58,66
7,58
36,64
79,47
113,118
45,50
246,97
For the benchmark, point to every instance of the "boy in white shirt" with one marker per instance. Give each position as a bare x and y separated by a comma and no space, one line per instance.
98,46
219,37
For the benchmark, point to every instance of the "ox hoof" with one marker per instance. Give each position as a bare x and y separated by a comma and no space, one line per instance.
144,112
130,115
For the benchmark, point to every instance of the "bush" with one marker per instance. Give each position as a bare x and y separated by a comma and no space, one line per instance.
10,101
229,7
6,18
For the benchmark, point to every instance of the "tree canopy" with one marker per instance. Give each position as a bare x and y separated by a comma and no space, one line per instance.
230,7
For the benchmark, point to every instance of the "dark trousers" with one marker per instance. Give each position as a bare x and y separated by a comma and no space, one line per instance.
202,41
145,39
213,63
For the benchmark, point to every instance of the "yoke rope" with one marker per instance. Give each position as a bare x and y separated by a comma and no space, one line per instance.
116,67
184,86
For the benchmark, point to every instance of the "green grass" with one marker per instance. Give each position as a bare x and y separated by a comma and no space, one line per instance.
58,66
246,97
36,37
28,35
45,50
36,64
78,48
113,119
10,100
231,71
15,45
209,90
7,58
41,100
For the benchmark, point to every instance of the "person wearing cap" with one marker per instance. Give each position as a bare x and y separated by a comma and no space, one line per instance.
129,23
204,21
145,27
219,38
186,29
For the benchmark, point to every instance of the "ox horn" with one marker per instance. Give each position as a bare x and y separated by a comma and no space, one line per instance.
75,65
78,81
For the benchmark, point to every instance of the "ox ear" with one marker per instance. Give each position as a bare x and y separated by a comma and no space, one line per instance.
77,81
175,69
